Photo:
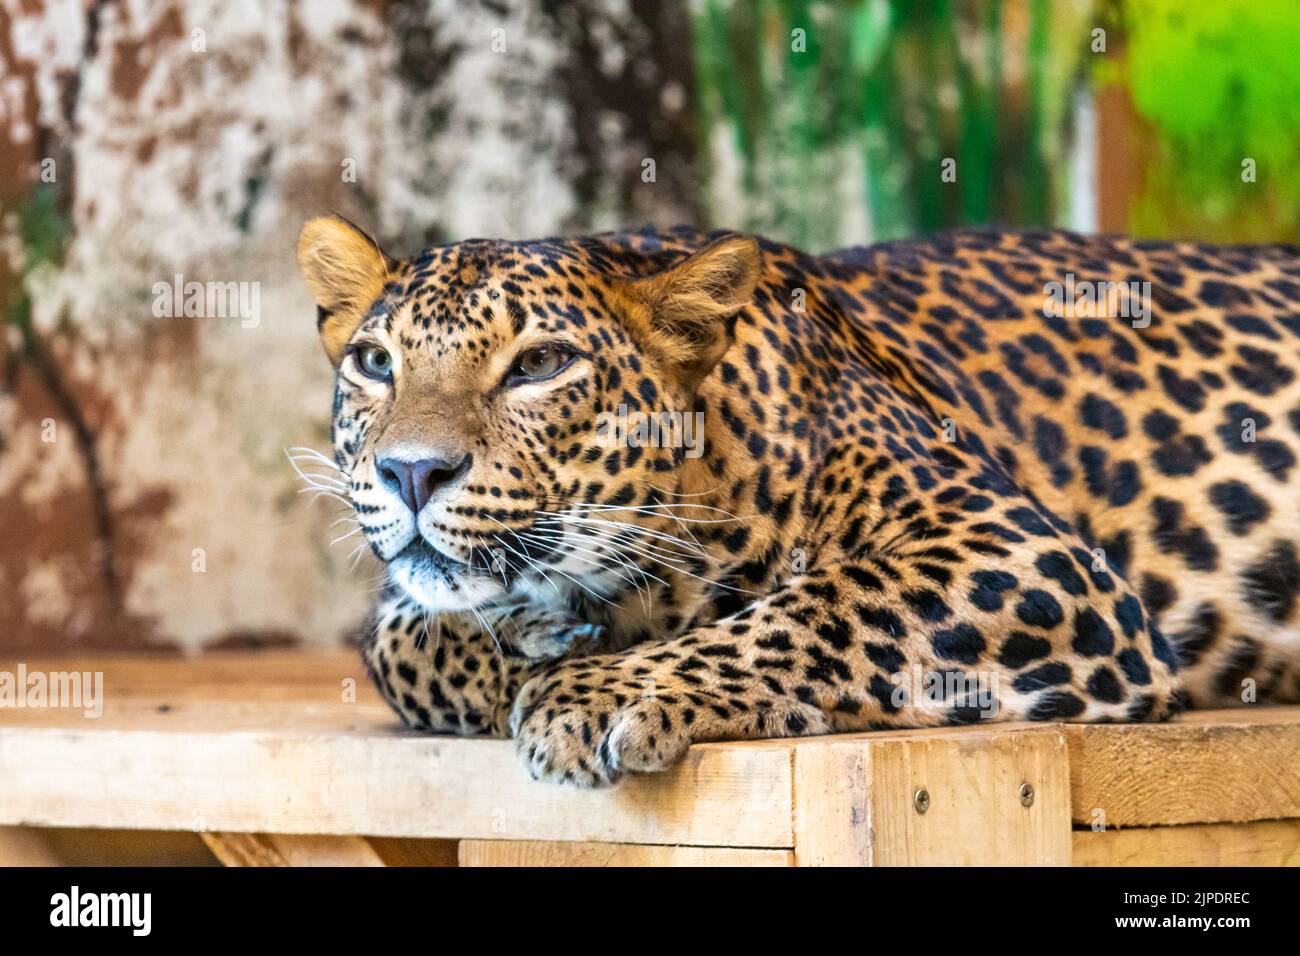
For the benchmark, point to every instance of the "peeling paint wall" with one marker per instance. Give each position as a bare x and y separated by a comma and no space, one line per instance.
145,498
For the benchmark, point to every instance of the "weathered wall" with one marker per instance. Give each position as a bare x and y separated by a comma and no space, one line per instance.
144,492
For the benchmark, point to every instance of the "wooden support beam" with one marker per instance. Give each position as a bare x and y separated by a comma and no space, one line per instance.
934,798
400,852
289,849
270,849
1207,767
539,853
25,846
75,846
1264,843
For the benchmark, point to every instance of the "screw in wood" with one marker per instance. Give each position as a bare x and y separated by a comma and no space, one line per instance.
1026,795
921,799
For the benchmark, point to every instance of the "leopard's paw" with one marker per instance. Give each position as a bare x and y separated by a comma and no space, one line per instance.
589,724
545,634
570,733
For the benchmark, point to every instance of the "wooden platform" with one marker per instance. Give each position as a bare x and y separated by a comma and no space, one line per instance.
280,758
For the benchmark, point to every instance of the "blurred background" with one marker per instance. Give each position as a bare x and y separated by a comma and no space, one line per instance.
145,496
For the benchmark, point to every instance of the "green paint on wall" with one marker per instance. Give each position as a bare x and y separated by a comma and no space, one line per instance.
1219,84
827,123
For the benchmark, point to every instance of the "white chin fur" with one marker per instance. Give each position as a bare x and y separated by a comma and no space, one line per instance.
434,592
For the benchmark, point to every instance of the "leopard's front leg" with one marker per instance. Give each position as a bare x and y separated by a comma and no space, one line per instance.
460,673
589,721
910,639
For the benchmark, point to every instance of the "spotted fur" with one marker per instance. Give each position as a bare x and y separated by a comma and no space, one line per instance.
910,468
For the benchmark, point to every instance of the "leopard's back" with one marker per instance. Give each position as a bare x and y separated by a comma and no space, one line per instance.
1162,421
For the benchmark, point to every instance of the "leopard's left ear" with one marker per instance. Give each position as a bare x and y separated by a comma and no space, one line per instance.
688,309
345,271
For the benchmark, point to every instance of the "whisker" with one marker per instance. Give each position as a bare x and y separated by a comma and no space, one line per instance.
519,554
501,654
599,554
651,509
343,537
598,597
318,492
355,556
643,589
303,451
690,574
660,535
663,556
628,536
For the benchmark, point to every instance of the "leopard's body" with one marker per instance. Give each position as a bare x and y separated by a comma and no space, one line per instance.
917,485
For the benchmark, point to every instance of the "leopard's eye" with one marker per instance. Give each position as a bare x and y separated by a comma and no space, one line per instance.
375,362
540,363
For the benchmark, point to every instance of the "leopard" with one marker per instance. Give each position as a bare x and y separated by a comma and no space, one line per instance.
644,489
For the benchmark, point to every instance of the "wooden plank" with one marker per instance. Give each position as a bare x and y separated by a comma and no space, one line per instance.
855,799
1208,767
279,849
401,852
543,853
395,784
287,849
244,849
287,742
1263,843
61,846
832,812
278,672
26,846
268,690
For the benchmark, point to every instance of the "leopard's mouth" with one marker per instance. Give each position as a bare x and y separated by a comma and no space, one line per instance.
439,582
498,574
421,552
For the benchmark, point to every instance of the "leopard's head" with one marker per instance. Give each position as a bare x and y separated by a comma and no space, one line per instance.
485,393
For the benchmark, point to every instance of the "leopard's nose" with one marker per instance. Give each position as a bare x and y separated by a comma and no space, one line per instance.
415,482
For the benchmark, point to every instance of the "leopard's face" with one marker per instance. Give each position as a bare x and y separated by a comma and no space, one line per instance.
476,413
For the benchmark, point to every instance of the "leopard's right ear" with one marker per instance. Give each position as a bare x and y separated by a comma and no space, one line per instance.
345,271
